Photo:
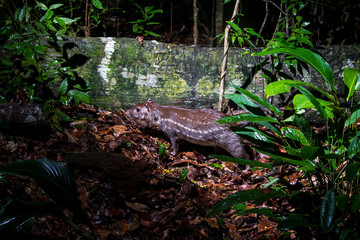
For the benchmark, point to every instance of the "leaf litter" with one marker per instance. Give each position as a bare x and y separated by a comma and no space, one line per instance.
129,191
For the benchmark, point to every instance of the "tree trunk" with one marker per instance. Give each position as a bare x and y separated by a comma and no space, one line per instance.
196,32
219,17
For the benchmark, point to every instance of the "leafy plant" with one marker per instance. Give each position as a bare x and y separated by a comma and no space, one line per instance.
30,33
329,163
140,26
56,179
239,35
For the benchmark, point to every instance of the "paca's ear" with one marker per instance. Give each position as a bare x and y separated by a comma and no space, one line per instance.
149,100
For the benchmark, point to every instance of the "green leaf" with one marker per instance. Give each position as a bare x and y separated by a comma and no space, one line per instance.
257,99
281,86
183,175
302,102
307,130
152,34
241,161
294,221
312,99
351,80
354,146
247,117
79,96
255,195
309,57
353,118
29,53
355,203
97,4
61,115
286,158
327,210
245,103
296,135
49,13
15,213
42,6
262,211
342,201
64,20
277,87
55,6
54,177
234,26
351,171
22,13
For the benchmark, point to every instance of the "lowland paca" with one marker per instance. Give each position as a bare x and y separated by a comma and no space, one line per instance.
197,126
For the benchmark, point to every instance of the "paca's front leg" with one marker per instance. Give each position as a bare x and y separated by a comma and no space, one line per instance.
174,144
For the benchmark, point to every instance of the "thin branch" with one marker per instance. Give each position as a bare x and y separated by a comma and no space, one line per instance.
224,62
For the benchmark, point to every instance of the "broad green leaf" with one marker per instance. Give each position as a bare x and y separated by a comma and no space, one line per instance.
63,87
257,99
97,4
287,158
307,130
79,96
342,201
40,48
309,57
309,152
29,53
255,195
277,87
353,118
15,213
55,178
351,80
312,99
302,102
281,86
294,221
245,103
241,161
354,146
351,171
295,135
327,210
355,203
247,117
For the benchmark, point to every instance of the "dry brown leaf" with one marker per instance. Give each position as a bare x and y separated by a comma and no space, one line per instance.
139,207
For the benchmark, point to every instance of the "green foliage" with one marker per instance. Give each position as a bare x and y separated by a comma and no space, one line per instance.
330,163
140,26
162,150
290,30
240,35
32,31
56,179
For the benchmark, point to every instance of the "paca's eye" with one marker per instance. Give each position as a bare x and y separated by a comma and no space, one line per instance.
138,109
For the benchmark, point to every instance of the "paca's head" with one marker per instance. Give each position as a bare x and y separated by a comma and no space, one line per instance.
140,111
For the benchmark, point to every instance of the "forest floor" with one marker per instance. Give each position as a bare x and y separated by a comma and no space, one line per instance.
130,191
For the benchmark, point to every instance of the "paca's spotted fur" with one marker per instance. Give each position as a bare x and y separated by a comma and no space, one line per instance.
197,126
